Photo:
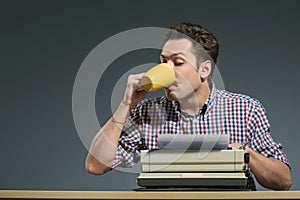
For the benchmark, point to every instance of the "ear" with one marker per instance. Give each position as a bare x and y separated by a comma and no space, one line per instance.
204,69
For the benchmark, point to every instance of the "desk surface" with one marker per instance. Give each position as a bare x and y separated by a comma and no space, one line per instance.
38,194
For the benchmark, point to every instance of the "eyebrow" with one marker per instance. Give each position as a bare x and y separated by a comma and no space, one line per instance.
173,55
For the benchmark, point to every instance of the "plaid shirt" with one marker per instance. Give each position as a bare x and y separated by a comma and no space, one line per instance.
240,116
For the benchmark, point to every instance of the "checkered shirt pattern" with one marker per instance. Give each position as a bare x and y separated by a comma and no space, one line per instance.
240,116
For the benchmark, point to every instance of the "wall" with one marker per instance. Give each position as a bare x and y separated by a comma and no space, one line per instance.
43,44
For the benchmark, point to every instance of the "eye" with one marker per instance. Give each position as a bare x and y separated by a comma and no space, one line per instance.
178,63
163,60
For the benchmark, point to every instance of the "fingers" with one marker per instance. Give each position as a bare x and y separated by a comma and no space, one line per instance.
132,87
235,145
140,89
134,80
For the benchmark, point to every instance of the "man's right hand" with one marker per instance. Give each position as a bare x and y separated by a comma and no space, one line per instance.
134,93
104,146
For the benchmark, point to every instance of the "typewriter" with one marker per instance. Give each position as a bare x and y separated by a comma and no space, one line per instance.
216,169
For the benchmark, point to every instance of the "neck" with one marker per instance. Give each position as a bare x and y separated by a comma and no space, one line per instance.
194,102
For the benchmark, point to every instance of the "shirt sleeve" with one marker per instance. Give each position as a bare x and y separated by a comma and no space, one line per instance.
129,142
261,139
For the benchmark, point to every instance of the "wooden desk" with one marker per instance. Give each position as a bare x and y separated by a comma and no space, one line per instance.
36,194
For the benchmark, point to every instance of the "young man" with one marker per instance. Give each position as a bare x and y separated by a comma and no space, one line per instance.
191,105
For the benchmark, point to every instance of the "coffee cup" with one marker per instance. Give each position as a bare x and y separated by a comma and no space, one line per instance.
158,77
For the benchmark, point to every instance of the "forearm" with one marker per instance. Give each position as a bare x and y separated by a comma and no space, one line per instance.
269,172
104,145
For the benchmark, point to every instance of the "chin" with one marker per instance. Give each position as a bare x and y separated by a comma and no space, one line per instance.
171,96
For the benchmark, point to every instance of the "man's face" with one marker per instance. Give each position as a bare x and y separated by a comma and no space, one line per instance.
178,53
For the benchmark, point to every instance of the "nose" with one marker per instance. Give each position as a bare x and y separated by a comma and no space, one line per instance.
170,62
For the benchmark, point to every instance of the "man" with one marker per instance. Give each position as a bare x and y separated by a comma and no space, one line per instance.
191,105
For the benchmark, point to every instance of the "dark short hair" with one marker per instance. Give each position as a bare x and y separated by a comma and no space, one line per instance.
205,44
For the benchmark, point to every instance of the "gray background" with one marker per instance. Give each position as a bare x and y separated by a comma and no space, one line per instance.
43,43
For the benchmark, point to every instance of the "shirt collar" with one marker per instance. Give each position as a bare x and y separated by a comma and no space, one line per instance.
209,101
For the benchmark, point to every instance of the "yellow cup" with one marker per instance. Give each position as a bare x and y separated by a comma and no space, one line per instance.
158,77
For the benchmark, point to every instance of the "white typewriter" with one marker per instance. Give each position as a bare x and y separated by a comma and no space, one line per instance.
212,166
